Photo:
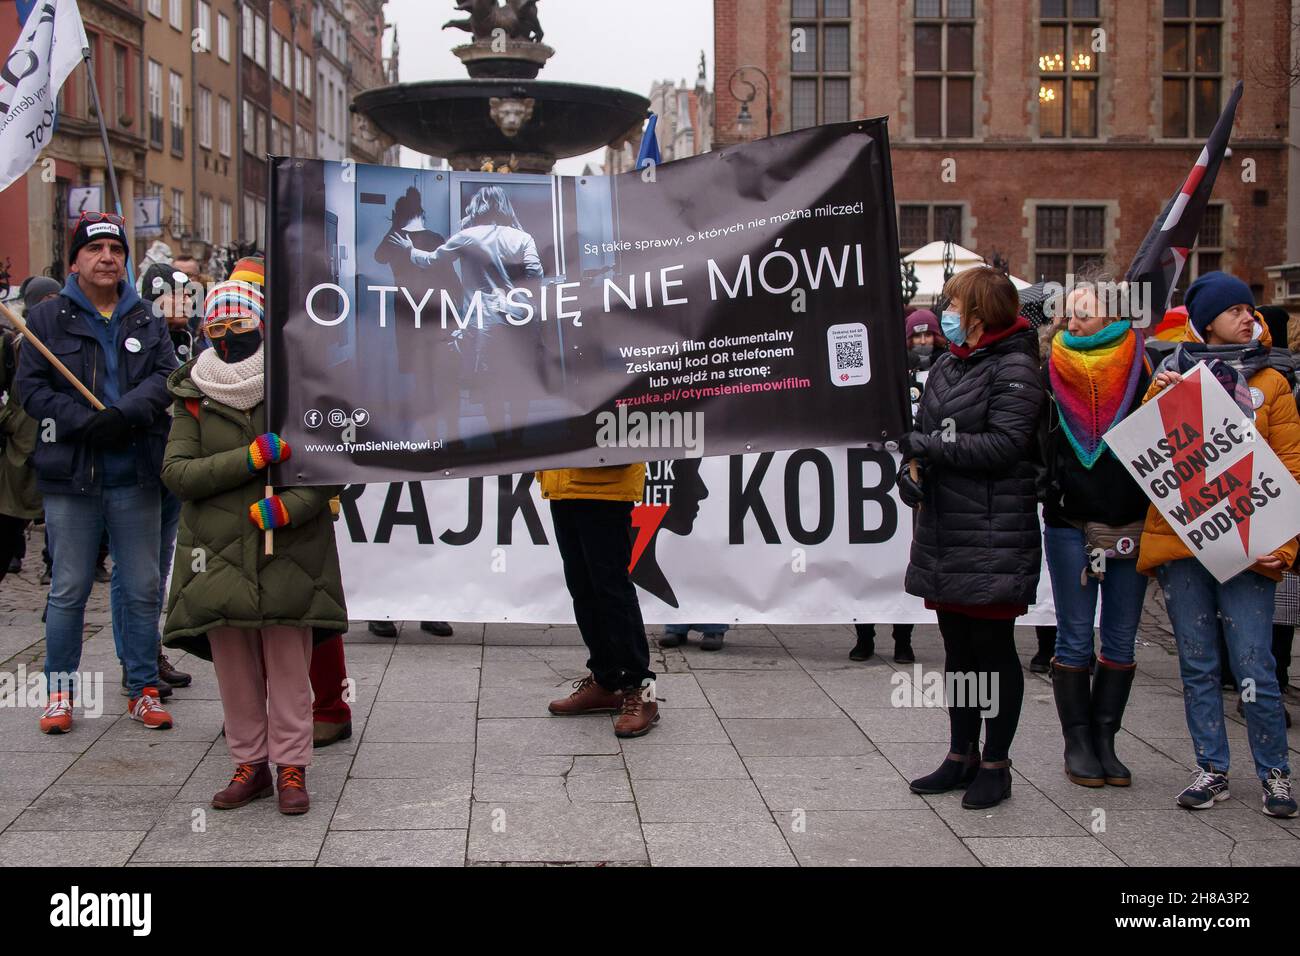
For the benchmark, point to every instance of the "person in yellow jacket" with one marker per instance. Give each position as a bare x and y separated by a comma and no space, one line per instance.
591,510
1223,332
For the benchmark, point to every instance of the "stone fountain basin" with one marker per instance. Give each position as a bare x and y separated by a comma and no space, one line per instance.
445,117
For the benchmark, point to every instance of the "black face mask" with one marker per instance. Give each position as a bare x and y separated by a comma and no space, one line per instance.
235,348
923,350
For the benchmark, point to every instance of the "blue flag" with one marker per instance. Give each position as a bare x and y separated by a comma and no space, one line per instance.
24,10
649,152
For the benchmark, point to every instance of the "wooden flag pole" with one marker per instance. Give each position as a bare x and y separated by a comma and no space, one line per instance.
50,357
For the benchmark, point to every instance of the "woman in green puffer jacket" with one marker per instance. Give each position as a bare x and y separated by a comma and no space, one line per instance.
254,615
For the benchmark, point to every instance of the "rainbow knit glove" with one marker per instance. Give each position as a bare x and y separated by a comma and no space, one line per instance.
269,513
268,449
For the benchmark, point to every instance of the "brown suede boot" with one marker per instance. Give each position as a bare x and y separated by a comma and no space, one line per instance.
252,781
293,790
588,698
639,714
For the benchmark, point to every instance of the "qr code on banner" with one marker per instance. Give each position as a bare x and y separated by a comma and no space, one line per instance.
848,354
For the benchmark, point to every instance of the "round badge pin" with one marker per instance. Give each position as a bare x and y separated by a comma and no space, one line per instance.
1256,397
1124,545
132,345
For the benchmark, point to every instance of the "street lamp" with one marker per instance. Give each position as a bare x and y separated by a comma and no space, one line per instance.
745,120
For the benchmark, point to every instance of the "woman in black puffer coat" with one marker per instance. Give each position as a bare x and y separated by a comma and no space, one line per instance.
977,546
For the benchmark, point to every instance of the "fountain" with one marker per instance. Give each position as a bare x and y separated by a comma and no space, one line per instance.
503,117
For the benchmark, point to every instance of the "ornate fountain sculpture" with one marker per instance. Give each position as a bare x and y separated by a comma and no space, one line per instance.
503,116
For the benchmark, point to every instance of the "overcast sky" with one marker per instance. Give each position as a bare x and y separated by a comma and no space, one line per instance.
623,43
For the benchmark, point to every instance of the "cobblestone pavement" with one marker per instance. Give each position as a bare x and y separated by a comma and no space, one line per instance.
776,751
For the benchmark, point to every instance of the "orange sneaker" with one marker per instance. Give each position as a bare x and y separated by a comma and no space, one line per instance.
57,718
149,711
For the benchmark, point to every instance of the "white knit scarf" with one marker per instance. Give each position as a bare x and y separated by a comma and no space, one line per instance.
239,385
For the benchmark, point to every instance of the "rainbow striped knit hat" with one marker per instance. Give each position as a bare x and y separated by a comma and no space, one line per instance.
250,269
232,298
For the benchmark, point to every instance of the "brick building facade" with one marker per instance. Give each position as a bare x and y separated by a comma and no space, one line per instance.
1049,132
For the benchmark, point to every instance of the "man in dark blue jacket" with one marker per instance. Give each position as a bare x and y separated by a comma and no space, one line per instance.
100,469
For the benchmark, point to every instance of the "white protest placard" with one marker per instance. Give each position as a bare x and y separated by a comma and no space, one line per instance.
1221,488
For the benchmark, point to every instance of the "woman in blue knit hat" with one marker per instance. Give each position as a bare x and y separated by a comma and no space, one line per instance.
1224,332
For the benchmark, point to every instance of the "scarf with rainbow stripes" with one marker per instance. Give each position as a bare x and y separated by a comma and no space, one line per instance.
1094,380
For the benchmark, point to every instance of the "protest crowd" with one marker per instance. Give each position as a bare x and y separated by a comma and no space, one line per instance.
138,428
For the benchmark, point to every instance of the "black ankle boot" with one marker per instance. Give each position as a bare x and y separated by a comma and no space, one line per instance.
992,785
956,771
1110,690
863,650
1041,662
1070,688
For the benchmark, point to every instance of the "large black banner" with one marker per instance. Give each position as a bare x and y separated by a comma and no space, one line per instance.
430,323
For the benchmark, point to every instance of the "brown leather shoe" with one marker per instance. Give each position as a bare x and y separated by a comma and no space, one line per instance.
323,734
588,698
293,790
639,714
252,781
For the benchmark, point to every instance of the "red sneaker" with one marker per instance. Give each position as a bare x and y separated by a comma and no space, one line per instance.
149,711
57,718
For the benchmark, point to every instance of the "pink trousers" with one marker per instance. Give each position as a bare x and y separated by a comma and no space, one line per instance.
265,688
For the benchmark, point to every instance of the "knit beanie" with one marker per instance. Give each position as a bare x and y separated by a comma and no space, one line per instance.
1213,294
922,320
250,269
231,298
86,232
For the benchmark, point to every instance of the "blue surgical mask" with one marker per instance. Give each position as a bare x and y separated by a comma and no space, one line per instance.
952,330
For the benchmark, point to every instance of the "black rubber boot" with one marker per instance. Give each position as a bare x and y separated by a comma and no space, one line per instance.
955,772
1110,690
992,785
1070,687
1041,662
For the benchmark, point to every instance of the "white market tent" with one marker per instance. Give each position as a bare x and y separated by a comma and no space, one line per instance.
928,263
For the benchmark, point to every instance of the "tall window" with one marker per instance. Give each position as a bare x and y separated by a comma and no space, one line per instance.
121,87
223,37
248,32
945,68
204,110
1207,255
919,225
177,15
287,59
203,23
226,233
223,126
1193,67
259,39
155,104
306,74
155,7
1067,68
275,56
178,213
250,219
204,224
249,118
819,62
177,102
1067,238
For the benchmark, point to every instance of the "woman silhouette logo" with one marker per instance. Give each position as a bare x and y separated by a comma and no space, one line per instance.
679,483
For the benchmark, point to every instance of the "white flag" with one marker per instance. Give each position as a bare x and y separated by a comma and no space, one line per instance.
48,49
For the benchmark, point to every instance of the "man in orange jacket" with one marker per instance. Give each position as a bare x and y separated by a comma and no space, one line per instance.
591,510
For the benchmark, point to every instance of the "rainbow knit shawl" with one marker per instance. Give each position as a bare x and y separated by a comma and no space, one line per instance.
1094,379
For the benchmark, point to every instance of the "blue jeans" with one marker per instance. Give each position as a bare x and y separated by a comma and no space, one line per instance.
75,523
1193,597
684,629
170,519
1122,591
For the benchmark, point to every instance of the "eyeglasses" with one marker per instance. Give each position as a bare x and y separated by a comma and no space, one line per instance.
93,216
236,325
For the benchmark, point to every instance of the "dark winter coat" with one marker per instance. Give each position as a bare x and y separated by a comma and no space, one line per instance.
222,575
144,358
977,539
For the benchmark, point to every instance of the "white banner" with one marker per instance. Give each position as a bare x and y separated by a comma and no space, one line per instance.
1198,458
803,537
48,49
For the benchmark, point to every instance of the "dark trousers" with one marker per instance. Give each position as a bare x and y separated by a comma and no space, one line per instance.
902,632
986,649
328,672
11,541
595,543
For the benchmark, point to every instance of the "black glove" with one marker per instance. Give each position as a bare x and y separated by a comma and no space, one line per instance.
917,445
109,427
910,491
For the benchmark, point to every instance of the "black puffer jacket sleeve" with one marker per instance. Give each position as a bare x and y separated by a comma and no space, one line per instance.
1015,400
